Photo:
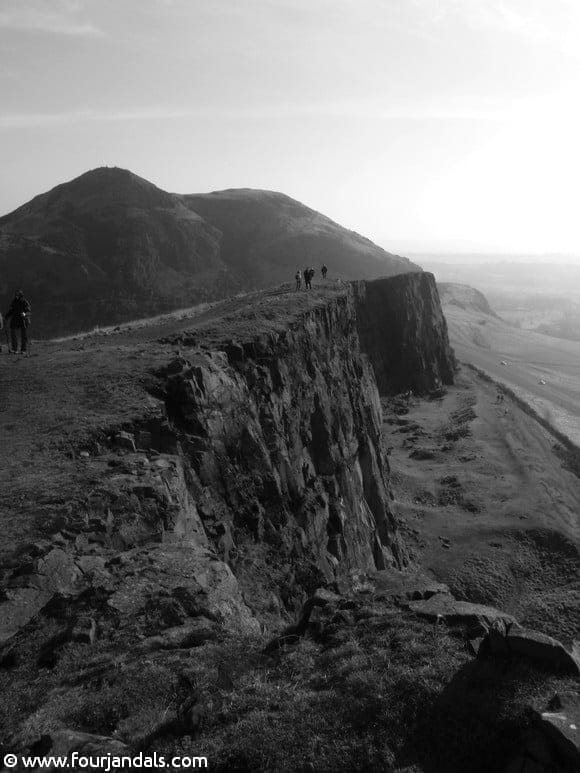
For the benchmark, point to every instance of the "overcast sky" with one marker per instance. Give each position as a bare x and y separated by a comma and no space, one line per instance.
426,122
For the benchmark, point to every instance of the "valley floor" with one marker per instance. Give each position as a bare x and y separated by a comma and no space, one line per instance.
541,370
487,505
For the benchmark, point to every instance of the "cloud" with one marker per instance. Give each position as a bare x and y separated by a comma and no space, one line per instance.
478,111
58,17
553,22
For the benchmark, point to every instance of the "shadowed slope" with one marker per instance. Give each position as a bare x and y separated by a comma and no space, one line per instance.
270,235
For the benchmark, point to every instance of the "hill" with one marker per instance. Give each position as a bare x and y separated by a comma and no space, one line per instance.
465,297
269,235
110,246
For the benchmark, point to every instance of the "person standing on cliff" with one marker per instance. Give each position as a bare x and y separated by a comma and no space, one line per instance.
298,277
324,271
19,315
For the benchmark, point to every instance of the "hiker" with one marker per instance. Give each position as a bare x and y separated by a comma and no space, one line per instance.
298,277
18,313
324,271
308,274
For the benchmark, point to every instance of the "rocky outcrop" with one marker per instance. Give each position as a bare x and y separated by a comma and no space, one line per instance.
261,479
403,330
283,437
539,648
442,607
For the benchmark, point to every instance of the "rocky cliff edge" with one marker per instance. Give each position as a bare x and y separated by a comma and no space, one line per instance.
251,475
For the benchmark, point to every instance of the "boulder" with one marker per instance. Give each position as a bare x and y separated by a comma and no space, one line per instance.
541,648
172,569
27,593
444,608
502,638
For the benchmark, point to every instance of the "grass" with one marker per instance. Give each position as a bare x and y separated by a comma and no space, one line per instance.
371,688
387,692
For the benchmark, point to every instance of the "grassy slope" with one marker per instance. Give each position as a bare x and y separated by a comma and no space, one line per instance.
271,235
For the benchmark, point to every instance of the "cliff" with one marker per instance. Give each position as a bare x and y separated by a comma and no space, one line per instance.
403,331
282,433
264,448
203,478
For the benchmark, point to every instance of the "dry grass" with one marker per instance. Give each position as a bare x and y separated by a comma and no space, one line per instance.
385,693
382,692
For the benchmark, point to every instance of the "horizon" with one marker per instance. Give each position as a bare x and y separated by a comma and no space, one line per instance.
434,123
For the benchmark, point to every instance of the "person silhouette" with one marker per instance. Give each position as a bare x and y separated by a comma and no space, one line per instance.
19,316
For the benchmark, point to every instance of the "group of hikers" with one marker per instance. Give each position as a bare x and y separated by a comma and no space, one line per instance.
307,274
19,316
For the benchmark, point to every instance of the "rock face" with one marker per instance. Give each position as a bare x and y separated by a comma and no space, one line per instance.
445,608
261,479
404,332
535,646
244,474
283,437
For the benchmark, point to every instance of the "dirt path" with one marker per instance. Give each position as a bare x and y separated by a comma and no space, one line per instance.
486,504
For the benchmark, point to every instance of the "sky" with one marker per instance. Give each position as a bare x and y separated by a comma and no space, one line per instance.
425,124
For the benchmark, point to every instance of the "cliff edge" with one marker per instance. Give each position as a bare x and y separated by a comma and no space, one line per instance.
173,484
403,331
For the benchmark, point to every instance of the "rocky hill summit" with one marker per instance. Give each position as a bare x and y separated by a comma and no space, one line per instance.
110,246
